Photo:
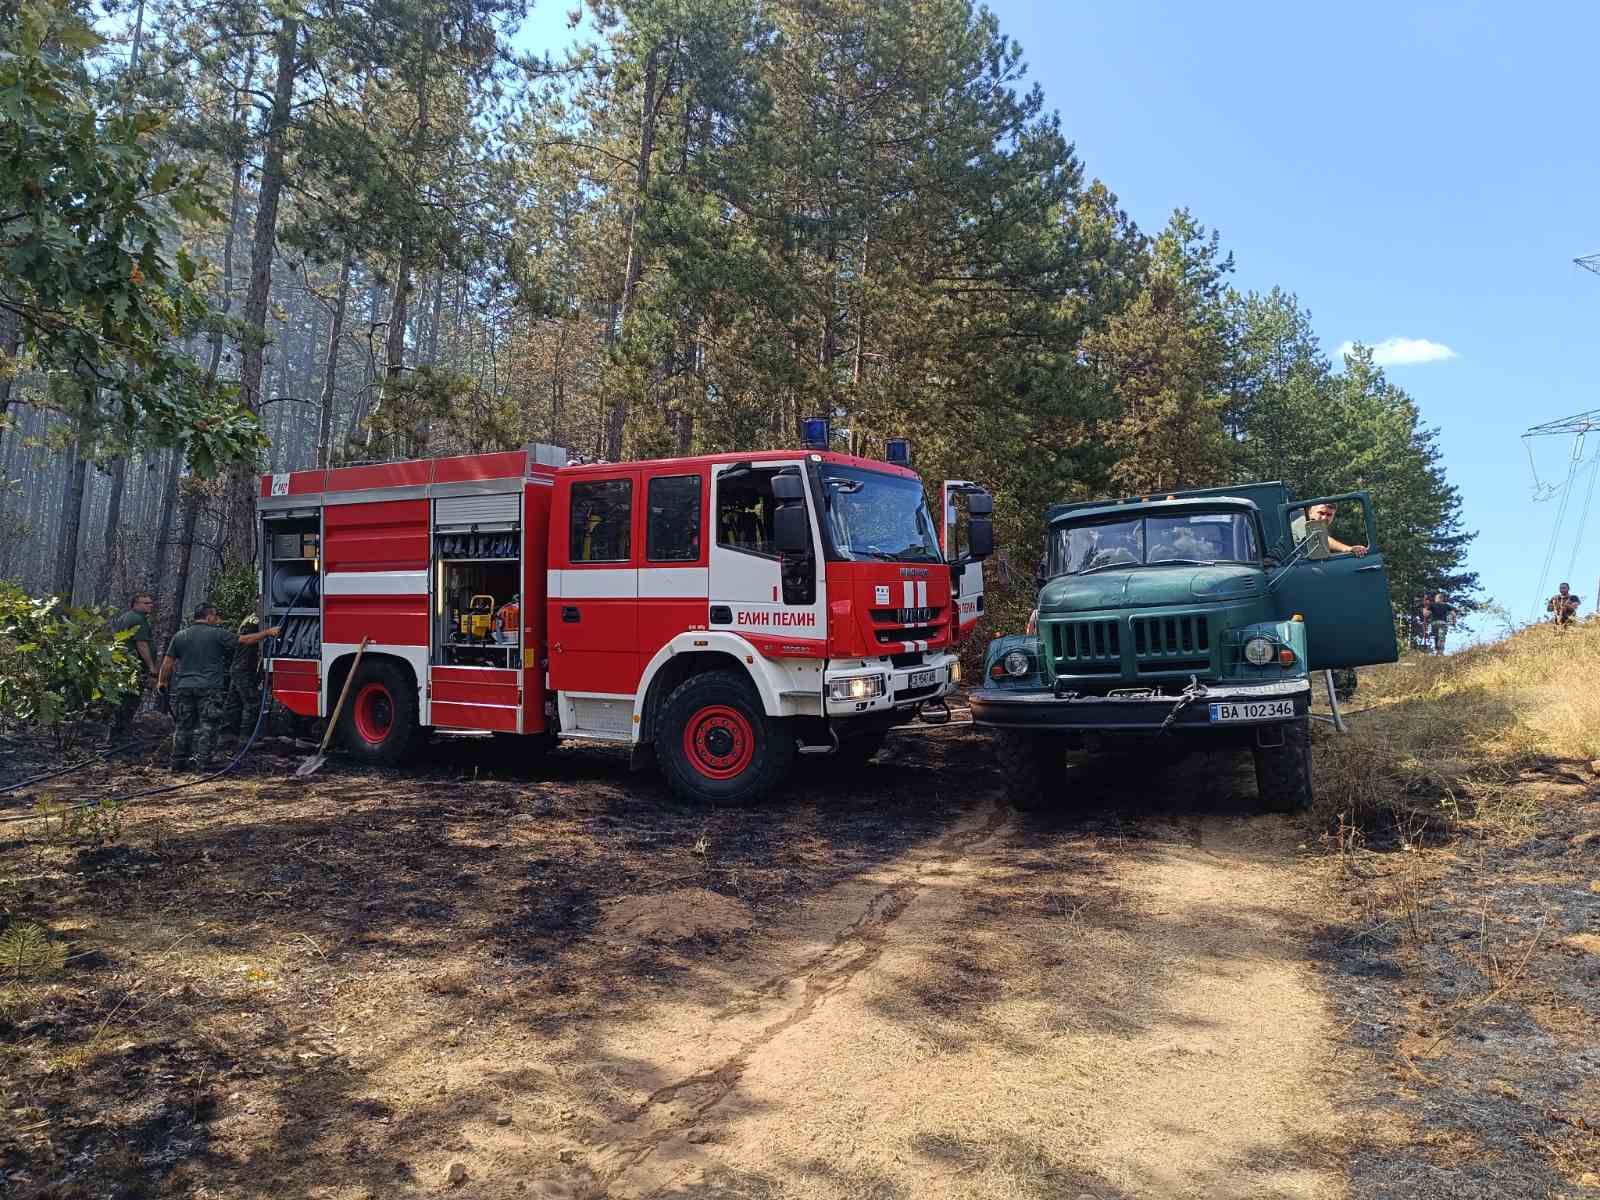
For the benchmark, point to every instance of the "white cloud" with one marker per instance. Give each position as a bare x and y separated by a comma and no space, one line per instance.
1403,352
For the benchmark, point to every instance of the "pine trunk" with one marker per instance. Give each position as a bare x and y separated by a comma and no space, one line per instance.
239,513
119,481
77,475
330,370
617,418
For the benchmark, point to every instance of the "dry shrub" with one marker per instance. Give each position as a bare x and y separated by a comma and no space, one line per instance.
1437,738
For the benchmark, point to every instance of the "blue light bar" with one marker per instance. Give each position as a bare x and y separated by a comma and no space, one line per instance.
814,433
898,451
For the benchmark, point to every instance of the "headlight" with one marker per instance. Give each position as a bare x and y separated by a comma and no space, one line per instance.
955,672
1017,663
1258,650
856,687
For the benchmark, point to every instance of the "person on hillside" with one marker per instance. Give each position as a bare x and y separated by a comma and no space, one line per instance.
137,618
199,658
241,704
1563,606
1319,519
1438,616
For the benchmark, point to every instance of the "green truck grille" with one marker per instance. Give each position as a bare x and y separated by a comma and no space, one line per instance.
1086,647
1158,644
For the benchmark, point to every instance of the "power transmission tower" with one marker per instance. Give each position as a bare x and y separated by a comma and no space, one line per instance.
1584,422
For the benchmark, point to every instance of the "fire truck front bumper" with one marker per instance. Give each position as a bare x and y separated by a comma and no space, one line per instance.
869,686
1202,708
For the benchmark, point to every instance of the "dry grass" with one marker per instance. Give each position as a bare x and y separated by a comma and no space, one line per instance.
1436,739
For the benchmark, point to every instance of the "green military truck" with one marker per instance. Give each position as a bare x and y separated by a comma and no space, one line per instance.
1186,621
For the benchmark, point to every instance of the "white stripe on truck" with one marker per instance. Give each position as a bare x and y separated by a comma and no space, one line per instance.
375,583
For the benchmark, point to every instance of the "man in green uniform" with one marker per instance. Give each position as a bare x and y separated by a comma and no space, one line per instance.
242,704
200,657
137,618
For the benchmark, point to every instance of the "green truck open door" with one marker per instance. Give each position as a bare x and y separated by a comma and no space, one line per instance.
1344,598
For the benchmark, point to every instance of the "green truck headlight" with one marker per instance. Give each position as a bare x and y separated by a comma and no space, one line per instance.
1259,650
1017,663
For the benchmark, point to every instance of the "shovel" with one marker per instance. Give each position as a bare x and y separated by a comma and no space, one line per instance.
309,767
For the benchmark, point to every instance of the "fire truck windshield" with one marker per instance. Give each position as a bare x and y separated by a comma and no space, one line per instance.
871,515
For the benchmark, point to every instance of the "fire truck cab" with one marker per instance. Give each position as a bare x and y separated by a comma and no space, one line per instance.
719,613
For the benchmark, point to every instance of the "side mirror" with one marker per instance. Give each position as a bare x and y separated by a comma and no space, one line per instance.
787,488
790,531
980,538
980,504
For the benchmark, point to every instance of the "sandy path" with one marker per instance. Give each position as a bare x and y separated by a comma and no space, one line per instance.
1006,1011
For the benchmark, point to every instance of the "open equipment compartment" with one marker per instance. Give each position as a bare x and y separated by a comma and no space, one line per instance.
292,581
477,552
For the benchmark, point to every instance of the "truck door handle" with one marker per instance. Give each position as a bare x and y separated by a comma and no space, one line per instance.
1373,567
570,614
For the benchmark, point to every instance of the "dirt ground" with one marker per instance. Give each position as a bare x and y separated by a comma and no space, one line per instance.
496,980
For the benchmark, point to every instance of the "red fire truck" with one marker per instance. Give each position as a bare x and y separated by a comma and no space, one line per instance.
717,613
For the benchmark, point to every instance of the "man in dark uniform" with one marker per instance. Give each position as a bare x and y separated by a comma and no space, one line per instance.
137,618
242,704
201,654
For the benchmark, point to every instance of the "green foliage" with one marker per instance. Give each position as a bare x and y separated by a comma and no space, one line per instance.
236,592
87,257
26,951
59,665
1165,360
93,823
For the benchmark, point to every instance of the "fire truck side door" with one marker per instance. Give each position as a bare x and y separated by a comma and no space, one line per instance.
962,502
777,604
592,613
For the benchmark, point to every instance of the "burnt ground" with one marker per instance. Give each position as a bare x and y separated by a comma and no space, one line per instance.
1467,977
343,987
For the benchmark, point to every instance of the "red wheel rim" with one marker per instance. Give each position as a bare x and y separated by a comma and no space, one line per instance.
719,742
374,713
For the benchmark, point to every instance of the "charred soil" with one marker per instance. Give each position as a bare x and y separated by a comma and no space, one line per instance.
556,981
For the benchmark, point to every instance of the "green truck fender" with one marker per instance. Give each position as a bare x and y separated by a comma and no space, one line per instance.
997,676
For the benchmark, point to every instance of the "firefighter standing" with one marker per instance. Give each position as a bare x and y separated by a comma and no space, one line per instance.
200,657
137,618
242,703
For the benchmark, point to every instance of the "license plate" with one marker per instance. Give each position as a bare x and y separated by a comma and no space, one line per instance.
1252,710
922,679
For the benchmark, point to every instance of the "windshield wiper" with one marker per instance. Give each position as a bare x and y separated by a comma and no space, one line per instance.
1108,566
1190,562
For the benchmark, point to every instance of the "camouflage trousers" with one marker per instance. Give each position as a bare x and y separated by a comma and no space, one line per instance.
124,711
241,702
197,719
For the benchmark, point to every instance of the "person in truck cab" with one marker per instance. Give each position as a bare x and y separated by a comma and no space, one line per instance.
1319,518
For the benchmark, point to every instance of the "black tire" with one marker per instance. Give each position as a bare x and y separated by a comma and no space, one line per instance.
379,725
1032,766
716,745
1283,773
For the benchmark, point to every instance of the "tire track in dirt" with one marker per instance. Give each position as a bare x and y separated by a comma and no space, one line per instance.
855,948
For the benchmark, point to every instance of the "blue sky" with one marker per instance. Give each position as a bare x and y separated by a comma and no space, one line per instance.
1422,172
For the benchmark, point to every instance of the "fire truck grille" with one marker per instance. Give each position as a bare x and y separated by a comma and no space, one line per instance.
1171,643
916,693
1086,647
905,616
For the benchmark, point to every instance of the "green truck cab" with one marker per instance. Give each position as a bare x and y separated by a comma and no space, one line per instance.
1185,621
